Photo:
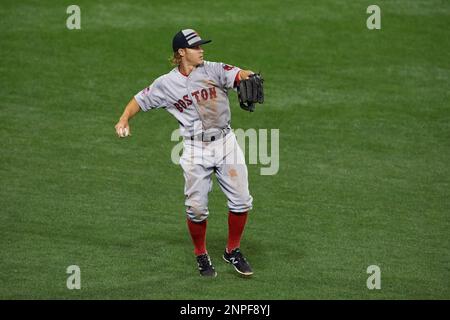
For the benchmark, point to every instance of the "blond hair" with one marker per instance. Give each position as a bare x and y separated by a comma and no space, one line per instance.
175,59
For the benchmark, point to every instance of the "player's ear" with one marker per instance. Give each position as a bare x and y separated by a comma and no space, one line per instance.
181,52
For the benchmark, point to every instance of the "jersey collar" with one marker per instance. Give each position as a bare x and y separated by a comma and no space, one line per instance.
177,69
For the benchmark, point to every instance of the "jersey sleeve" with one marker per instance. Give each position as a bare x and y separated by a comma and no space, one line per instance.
152,97
225,74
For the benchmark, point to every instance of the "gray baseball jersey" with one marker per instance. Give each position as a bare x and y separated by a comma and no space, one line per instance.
200,98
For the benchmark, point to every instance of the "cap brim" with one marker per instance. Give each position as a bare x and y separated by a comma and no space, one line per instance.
198,43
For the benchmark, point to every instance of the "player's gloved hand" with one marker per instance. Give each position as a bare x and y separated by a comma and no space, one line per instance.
123,129
250,91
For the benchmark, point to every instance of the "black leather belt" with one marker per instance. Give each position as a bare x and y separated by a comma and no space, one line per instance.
210,137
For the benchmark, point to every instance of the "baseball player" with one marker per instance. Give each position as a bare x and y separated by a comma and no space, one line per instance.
195,92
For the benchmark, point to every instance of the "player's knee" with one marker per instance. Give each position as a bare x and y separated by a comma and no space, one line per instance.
197,213
241,204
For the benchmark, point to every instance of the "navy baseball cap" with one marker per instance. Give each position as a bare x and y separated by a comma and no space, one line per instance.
187,38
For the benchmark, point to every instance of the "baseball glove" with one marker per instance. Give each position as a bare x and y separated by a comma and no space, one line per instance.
250,91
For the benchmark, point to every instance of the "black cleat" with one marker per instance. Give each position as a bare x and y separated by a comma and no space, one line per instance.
205,266
238,261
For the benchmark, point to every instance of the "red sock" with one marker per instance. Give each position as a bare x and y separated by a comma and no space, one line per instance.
236,224
198,235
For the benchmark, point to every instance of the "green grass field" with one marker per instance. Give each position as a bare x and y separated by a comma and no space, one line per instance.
364,178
